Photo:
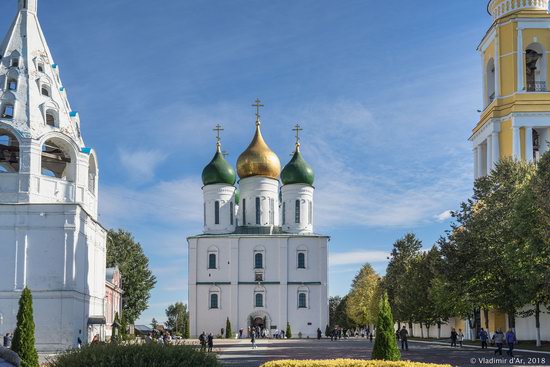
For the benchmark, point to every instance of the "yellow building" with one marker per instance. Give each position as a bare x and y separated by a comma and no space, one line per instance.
515,120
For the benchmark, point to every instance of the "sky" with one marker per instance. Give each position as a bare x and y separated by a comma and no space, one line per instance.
386,92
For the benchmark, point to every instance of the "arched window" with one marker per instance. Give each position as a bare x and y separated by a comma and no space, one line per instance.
258,260
302,300
50,119
310,212
244,211
301,260
45,90
92,174
212,261
535,68
231,213
56,160
284,213
297,212
9,152
259,300
272,211
204,214
490,80
12,84
258,211
15,62
8,111
214,300
40,67
217,212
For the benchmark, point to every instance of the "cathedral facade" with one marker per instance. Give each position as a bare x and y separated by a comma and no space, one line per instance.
258,262
50,237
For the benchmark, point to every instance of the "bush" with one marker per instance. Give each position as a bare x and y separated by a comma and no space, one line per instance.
288,332
23,337
348,363
228,331
385,345
112,355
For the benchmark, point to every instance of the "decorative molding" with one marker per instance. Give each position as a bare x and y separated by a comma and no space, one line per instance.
501,8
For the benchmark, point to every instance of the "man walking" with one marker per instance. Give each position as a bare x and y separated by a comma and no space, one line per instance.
404,335
483,336
319,333
253,339
510,340
499,337
202,340
454,336
210,342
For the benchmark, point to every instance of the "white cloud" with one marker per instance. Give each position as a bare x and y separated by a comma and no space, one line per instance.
442,217
357,257
141,164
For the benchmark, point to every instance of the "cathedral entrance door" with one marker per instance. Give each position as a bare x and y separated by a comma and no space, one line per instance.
259,322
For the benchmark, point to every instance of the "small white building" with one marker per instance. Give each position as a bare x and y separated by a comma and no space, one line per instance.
258,262
50,237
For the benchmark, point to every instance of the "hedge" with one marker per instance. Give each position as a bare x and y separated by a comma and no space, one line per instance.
348,363
113,355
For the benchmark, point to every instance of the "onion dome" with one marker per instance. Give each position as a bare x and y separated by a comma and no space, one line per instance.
297,171
218,171
258,159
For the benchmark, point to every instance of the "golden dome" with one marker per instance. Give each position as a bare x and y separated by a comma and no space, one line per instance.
258,159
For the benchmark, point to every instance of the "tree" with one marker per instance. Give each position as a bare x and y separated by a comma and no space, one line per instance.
23,337
154,324
385,345
364,297
333,303
327,331
288,331
186,333
228,331
177,316
137,279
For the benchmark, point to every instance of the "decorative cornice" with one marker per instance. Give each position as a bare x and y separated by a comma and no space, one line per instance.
501,8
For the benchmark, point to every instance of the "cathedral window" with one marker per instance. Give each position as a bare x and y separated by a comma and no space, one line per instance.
212,263
12,84
284,213
244,212
535,68
231,213
8,111
92,174
214,300
297,212
15,62
301,260
258,211
302,300
41,67
9,152
259,300
50,119
258,260
490,80
45,90
56,160
217,212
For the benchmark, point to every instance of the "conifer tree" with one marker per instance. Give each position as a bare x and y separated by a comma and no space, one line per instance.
327,331
385,345
228,331
288,332
23,337
186,332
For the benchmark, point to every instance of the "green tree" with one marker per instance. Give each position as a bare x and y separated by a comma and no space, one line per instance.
154,323
186,333
342,315
364,297
333,303
137,279
288,332
23,337
327,331
385,345
177,316
228,331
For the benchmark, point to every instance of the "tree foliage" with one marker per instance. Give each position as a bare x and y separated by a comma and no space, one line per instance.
177,317
364,298
137,279
228,332
23,338
385,345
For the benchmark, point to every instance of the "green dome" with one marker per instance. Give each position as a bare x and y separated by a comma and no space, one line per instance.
297,171
218,171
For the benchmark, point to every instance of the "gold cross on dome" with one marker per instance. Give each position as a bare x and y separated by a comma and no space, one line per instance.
218,129
297,128
258,104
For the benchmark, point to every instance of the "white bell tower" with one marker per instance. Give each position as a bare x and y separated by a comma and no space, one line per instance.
51,239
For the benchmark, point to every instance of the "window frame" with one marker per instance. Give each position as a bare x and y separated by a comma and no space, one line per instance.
262,262
209,260
284,213
231,214
217,212
303,294
297,211
211,296
258,211
304,255
259,296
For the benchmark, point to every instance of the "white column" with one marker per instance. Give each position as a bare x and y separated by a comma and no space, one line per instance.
496,148
480,161
497,66
543,140
520,61
476,164
529,144
516,146
489,154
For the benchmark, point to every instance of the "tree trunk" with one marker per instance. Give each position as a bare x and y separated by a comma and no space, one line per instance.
537,323
439,330
486,315
512,321
428,331
398,324
421,331
411,328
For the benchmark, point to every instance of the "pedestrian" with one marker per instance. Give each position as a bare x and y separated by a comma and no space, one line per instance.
7,340
483,336
319,334
79,343
282,334
404,335
511,340
210,342
454,336
460,337
240,333
253,339
371,336
202,340
498,338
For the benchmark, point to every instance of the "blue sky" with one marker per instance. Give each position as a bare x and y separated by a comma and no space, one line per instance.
386,92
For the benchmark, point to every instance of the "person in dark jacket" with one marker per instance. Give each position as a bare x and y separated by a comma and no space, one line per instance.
404,336
202,340
498,338
454,337
7,340
210,342
319,334
483,337
511,341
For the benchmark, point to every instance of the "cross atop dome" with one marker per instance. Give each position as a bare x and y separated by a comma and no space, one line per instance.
258,104
297,128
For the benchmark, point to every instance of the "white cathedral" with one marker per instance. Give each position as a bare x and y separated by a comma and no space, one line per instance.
50,237
258,263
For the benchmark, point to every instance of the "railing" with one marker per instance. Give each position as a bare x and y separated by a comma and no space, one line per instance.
536,86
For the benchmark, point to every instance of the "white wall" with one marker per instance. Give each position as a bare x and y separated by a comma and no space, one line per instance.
526,327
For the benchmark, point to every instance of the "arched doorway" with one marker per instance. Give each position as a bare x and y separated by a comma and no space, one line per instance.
260,320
